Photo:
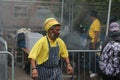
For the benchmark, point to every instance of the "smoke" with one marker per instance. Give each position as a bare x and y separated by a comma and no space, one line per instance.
75,40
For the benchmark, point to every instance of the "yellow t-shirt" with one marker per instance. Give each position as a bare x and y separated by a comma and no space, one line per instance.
40,50
95,26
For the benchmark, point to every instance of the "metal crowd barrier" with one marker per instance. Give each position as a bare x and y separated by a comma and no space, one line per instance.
12,57
80,64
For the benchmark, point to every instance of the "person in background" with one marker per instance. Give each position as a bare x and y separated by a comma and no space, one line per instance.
46,53
113,35
21,47
94,34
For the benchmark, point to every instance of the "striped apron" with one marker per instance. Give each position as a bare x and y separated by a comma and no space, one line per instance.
50,70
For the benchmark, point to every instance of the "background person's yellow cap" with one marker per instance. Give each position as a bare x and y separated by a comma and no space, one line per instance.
49,22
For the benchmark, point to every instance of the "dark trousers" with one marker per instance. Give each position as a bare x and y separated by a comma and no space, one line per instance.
94,59
105,77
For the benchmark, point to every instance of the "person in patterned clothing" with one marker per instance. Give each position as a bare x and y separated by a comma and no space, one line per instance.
113,35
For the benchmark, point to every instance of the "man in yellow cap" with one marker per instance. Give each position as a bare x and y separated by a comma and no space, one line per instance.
46,53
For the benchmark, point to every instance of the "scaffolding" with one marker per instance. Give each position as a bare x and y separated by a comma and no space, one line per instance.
16,14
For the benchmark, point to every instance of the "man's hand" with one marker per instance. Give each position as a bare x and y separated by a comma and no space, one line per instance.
69,69
34,74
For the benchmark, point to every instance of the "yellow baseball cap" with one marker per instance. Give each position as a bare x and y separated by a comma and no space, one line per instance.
49,22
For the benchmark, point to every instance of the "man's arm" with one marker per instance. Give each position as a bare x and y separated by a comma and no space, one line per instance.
25,50
33,64
34,69
67,60
69,67
95,39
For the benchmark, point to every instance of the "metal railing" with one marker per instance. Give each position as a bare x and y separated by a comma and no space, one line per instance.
12,57
80,61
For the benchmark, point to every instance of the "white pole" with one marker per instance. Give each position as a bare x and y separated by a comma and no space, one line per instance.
62,6
108,18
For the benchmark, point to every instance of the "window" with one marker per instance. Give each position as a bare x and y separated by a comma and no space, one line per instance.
20,11
43,12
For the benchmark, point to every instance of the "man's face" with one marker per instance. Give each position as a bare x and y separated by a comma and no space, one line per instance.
91,17
55,32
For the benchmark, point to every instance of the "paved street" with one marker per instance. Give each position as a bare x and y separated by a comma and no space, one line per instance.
19,74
